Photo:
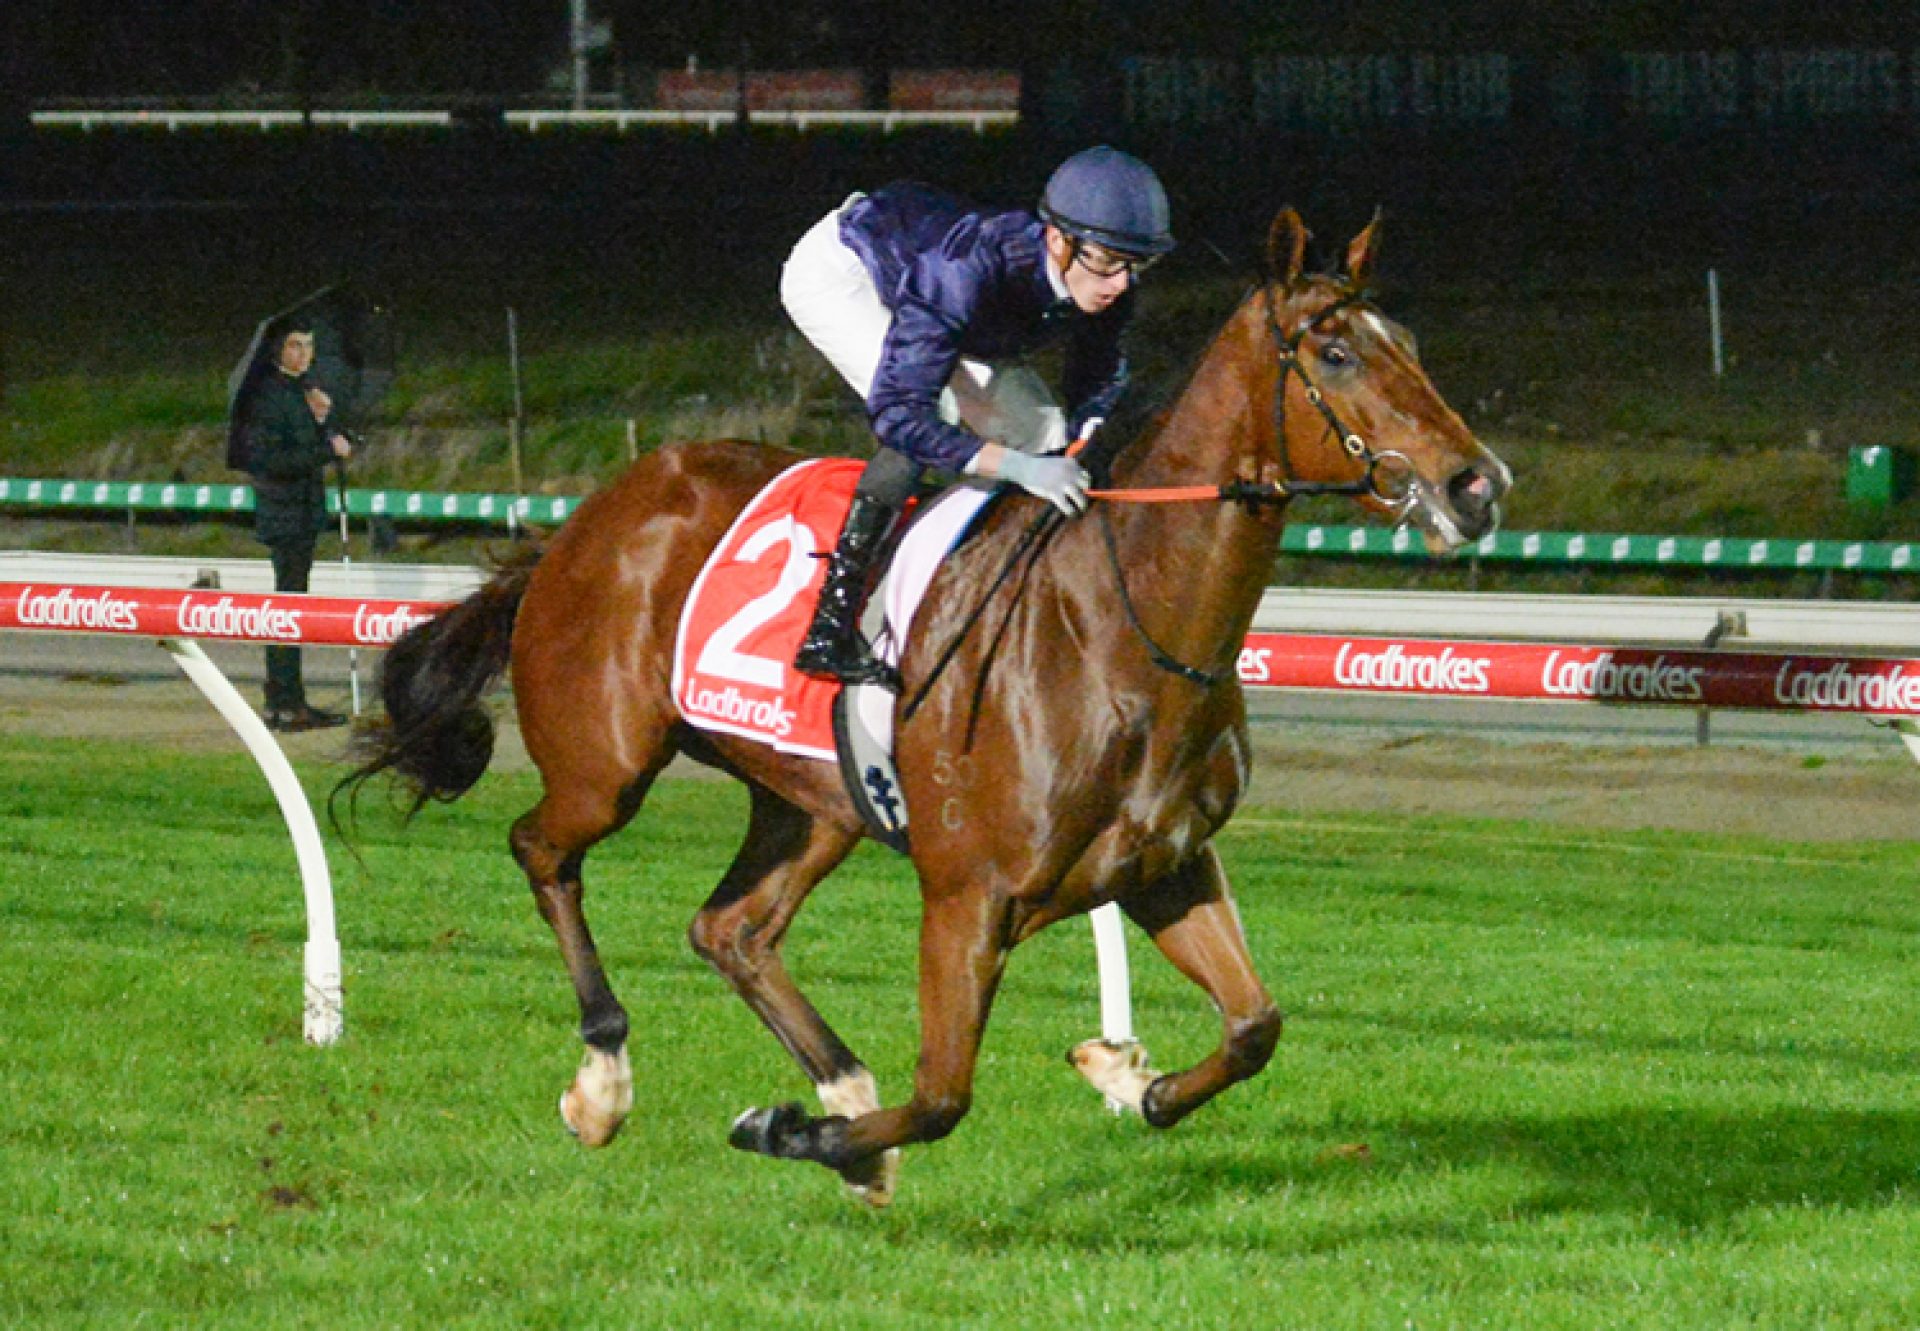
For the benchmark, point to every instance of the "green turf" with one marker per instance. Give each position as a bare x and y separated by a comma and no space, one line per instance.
1642,1080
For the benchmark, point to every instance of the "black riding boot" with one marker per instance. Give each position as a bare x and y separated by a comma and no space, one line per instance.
833,647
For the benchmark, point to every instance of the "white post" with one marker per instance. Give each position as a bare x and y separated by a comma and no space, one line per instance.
324,1018
1713,321
346,563
1909,731
1110,951
1116,998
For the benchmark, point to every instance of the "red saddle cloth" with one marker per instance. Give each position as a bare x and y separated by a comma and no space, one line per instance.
751,606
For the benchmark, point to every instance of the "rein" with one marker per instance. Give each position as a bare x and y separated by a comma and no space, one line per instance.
1236,492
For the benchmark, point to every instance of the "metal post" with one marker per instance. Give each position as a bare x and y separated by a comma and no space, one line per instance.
346,563
1713,321
578,41
1726,624
513,426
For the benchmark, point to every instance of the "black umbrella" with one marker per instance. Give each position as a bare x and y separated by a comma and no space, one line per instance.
352,360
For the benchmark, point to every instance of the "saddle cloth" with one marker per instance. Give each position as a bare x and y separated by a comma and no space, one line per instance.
753,602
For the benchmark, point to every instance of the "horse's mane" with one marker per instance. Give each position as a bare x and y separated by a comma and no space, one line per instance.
1152,393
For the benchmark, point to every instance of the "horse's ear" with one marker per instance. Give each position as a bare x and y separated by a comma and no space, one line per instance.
1286,246
1363,251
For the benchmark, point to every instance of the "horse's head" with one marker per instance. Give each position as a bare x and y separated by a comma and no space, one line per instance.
1355,408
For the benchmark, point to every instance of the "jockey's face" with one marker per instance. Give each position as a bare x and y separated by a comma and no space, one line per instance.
1096,276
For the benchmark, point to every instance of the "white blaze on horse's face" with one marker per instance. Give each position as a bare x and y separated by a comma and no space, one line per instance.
1430,471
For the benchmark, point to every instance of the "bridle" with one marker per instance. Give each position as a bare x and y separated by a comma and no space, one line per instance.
1253,494
1400,500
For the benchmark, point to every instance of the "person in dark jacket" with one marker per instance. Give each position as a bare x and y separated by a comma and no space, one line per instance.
926,305
289,445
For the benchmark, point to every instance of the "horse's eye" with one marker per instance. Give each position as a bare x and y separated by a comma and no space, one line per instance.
1336,355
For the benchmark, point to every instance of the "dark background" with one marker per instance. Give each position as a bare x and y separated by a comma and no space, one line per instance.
149,247
132,48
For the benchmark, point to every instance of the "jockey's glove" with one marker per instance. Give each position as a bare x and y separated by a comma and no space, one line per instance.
1062,482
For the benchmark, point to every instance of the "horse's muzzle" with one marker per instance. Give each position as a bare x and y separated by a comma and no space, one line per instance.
1474,493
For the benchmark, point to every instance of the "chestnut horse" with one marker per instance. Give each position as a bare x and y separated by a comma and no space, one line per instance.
1071,731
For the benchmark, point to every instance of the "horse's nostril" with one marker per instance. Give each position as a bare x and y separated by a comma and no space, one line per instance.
1475,497
1470,491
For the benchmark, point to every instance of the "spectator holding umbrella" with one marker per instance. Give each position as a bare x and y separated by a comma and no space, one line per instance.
287,444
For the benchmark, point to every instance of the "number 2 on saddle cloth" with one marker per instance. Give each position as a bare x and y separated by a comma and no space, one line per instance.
751,605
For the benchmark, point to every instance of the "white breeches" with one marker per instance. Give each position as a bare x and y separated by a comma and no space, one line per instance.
832,300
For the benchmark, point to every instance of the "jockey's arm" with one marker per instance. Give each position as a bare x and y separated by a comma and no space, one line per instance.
936,303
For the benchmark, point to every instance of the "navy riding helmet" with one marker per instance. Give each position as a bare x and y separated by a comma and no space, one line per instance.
1105,196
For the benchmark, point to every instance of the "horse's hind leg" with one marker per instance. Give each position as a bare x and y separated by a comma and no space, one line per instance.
738,932
551,841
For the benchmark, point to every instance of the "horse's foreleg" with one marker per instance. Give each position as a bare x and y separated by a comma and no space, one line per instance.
962,956
1191,917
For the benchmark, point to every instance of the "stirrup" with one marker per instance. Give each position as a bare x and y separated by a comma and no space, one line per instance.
870,669
836,658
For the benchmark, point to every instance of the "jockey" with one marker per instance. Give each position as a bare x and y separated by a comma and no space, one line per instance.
919,301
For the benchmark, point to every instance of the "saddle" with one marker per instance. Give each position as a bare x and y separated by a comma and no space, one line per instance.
751,605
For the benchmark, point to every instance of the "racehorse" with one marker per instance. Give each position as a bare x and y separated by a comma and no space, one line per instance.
1071,729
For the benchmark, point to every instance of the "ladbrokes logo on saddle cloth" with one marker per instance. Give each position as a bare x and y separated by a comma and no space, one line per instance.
750,607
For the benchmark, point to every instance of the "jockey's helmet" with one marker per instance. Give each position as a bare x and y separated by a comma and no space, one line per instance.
1110,198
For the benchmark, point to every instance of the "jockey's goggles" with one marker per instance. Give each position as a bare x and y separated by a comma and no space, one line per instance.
1103,262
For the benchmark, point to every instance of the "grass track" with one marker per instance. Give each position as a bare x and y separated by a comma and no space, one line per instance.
1638,1080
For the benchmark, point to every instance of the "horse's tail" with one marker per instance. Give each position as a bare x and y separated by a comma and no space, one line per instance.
436,737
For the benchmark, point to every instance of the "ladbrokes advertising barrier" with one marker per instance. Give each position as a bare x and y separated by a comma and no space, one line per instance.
1562,672
236,616
1507,671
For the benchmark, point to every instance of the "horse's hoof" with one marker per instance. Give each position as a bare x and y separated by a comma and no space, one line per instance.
872,1181
600,1098
1117,1069
778,1131
589,1128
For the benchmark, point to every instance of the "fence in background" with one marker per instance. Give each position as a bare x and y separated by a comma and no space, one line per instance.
1543,549
1752,88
